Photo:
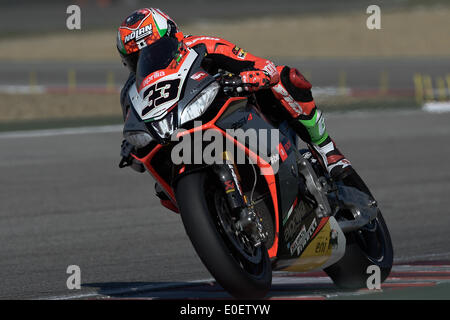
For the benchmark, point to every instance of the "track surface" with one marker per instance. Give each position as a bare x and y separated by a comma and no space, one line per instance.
64,201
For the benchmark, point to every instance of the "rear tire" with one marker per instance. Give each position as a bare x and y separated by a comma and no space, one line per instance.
197,196
371,245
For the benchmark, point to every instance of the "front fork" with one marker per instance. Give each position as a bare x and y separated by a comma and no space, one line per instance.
247,219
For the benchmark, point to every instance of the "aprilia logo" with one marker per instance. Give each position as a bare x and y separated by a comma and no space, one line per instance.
138,34
153,77
199,75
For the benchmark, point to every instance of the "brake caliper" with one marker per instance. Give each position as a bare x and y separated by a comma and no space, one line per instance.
251,225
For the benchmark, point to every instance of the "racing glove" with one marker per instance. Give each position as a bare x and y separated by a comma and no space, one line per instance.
127,159
255,80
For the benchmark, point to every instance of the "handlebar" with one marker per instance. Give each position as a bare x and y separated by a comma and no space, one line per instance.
232,84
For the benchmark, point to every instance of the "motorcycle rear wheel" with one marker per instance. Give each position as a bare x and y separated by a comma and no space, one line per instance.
370,245
243,271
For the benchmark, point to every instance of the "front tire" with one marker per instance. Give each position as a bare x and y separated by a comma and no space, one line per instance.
244,273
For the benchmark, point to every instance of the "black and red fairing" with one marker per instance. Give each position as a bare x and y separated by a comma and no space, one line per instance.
281,185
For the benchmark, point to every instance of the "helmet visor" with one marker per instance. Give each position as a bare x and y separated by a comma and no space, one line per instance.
156,56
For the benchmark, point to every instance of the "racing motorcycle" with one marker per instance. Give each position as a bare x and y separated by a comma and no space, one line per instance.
278,210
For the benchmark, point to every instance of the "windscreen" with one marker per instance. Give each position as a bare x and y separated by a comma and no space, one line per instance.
156,56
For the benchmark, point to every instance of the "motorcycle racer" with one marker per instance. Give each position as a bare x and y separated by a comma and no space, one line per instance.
281,91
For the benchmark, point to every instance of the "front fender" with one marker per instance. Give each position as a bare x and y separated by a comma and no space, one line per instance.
182,170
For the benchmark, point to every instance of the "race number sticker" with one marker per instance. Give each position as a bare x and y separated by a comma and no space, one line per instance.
159,93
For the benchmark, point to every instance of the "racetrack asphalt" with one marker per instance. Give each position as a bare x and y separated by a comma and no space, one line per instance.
64,201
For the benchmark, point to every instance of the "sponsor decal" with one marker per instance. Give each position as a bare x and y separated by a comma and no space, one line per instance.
139,34
333,239
282,152
321,125
239,123
270,68
189,43
199,75
302,239
229,186
242,54
235,178
287,98
154,76
292,224
322,247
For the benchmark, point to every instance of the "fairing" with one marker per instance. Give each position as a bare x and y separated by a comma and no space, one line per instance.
277,159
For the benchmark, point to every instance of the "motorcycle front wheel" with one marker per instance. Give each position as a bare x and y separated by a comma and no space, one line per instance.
240,268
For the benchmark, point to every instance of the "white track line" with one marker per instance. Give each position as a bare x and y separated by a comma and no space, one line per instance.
127,290
61,131
22,89
436,107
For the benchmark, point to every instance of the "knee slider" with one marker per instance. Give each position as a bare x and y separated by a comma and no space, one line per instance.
296,84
